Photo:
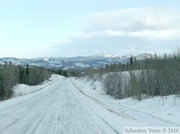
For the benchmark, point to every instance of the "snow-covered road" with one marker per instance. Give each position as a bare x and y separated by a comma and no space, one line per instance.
63,108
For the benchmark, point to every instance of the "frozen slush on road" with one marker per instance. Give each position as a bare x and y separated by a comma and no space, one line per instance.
70,106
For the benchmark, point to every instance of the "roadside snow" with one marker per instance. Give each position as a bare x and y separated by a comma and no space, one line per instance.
22,89
153,111
167,107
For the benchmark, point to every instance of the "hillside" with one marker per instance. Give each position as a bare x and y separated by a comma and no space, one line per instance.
79,62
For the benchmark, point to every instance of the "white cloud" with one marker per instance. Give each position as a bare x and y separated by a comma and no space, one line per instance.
132,20
97,34
146,34
114,33
170,34
125,30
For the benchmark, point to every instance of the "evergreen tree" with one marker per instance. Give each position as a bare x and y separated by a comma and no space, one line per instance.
131,60
65,73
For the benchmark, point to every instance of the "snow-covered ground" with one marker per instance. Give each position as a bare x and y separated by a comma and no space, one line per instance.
157,111
23,89
77,106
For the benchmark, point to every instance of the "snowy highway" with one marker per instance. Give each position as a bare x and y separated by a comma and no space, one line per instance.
62,107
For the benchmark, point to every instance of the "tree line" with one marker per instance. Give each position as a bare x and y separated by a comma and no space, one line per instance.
154,76
11,75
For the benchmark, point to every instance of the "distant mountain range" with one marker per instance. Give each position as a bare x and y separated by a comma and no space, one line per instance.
79,62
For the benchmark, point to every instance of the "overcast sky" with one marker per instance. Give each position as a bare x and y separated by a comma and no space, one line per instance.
37,28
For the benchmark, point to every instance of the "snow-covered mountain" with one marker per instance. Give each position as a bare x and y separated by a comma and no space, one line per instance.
79,62
105,55
143,56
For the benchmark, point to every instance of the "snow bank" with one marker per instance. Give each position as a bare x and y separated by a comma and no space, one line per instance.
167,107
93,86
164,108
22,89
